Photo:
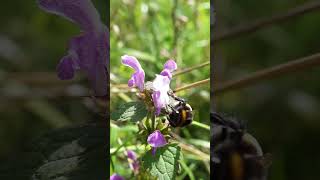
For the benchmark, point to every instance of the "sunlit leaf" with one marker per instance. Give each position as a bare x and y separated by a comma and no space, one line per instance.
165,163
131,111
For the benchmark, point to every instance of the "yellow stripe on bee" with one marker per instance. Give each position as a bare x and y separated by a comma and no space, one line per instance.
237,170
184,115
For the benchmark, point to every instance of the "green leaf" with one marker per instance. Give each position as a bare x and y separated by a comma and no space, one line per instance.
165,163
133,111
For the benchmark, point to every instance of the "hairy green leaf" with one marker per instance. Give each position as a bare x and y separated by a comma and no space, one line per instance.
165,163
132,111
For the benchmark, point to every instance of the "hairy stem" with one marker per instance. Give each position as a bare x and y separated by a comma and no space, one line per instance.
191,69
268,73
259,24
201,125
192,85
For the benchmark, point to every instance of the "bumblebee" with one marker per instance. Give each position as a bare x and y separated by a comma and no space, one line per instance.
235,154
179,112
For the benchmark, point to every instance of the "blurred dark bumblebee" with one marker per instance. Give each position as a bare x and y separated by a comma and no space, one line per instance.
235,154
179,112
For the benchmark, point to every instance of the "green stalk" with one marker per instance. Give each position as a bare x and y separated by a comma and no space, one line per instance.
201,125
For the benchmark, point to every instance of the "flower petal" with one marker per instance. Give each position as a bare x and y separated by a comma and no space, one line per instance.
133,161
116,177
131,155
160,92
158,104
132,62
166,72
131,82
97,76
135,166
65,68
156,139
91,51
137,78
170,65
161,83
81,12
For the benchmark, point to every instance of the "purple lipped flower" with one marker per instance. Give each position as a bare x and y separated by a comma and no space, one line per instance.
133,161
156,140
161,85
116,177
160,93
137,78
89,51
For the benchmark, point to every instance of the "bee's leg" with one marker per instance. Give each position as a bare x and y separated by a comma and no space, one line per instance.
170,93
172,109
181,100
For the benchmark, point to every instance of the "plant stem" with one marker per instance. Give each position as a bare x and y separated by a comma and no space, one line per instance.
112,164
191,69
153,121
118,148
201,125
259,24
187,169
268,73
199,83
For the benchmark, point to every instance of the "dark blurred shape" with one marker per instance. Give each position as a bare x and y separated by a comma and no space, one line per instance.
9,50
235,154
74,153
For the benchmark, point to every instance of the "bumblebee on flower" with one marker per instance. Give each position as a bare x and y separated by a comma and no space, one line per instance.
158,95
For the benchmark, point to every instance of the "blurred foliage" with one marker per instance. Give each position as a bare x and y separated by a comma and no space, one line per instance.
282,113
32,40
155,31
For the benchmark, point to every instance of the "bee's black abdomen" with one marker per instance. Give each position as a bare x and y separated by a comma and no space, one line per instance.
235,154
174,119
181,115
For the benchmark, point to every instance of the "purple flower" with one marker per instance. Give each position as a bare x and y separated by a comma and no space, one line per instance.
156,139
116,177
161,86
88,51
137,78
160,94
133,161
169,67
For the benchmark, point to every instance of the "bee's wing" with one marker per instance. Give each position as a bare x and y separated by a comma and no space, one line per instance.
264,161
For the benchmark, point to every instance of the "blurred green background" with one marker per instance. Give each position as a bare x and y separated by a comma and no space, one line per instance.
155,31
282,113
32,99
